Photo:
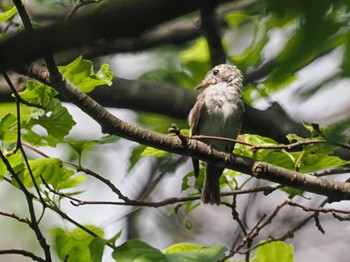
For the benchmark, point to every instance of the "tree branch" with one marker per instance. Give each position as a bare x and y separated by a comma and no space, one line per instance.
193,148
118,20
211,31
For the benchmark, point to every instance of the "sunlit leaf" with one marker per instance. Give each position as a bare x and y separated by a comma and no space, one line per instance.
56,121
96,248
137,251
193,252
51,170
151,151
7,14
38,94
276,251
234,19
81,73
77,244
80,146
8,128
116,237
135,155
198,52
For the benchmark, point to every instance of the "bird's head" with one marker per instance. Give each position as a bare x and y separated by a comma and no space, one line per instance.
222,73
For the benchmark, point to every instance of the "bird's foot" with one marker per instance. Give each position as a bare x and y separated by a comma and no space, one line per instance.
175,130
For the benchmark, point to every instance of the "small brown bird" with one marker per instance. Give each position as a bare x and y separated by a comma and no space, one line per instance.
218,112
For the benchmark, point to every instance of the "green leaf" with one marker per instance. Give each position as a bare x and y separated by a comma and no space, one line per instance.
82,145
51,170
135,156
10,108
8,128
96,248
199,52
137,251
234,19
56,121
317,156
77,244
277,157
4,16
276,251
192,252
14,159
196,60
151,151
37,93
81,73
116,237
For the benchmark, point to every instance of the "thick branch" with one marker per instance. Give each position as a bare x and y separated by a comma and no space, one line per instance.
193,148
211,30
118,20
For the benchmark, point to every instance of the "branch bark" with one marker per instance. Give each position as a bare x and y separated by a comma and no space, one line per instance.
193,148
118,20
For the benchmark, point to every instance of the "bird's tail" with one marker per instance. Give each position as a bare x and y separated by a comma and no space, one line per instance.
211,188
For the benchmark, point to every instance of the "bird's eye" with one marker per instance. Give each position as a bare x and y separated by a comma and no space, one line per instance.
215,72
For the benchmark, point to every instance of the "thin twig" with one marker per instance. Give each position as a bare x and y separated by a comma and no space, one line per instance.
23,253
78,4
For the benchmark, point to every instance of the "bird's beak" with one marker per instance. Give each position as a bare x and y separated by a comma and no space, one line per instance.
202,85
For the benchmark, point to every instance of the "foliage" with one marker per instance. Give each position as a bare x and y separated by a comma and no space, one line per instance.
134,250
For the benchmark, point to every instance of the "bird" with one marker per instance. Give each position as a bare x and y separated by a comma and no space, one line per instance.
218,112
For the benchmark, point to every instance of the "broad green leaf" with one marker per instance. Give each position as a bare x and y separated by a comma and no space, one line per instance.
189,207
277,251
273,156
135,156
96,249
137,251
3,170
8,128
82,145
317,156
14,160
38,94
49,169
8,14
234,19
191,252
116,237
77,244
198,52
196,60
151,151
56,121
81,73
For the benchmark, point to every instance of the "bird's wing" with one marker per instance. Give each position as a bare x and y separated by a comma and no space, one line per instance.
195,117
194,125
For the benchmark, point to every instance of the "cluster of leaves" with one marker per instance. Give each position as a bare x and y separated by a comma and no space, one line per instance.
80,247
